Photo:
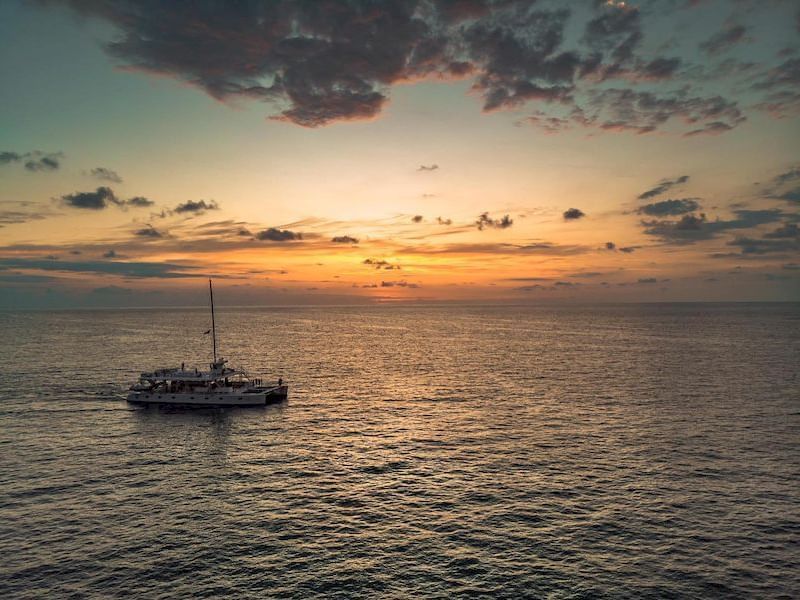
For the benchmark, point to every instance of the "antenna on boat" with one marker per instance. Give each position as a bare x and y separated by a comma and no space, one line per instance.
213,325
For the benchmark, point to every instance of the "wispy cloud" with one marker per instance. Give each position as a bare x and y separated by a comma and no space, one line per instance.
663,186
104,174
126,269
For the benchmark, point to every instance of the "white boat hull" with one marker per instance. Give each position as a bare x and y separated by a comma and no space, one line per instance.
259,397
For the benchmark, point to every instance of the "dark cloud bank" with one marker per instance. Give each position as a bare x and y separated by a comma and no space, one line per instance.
322,62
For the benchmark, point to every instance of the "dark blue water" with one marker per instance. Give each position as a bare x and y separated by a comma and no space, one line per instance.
643,451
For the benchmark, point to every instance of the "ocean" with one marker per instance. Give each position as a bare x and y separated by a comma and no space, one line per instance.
610,451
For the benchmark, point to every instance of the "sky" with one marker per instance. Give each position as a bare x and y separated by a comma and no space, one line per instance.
388,152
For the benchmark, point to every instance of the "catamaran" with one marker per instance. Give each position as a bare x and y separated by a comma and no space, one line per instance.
220,385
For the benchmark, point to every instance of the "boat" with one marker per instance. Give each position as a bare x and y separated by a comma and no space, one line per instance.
220,385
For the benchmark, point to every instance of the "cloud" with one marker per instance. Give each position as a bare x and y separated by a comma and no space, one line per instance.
442,221
105,175
9,157
25,278
139,201
148,232
96,200
485,221
124,269
612,247
399,284
750,245
196,206
428,167
319,63
691,228
528,279
777,186
110,254
641,112
273,234
662,186
573,214
33,161
787,230
588,274
793,174
647,280
380,263
344,239
15,212
101,198
416,219
673,207
499,249
724,39
779,87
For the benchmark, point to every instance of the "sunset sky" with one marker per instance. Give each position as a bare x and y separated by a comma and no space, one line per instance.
365,152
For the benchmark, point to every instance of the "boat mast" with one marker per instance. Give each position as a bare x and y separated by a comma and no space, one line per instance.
213,325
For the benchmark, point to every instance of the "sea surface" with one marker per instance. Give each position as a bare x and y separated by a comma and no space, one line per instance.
631,451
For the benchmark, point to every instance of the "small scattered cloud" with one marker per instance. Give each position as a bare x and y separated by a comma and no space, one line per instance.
398,284
379,263
34,161
428,168
344,239
110,254
104,174
196,206
573,214
148,232
662,186
139,202
484,221
99,199
612,247
274,234
442,221
416,219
